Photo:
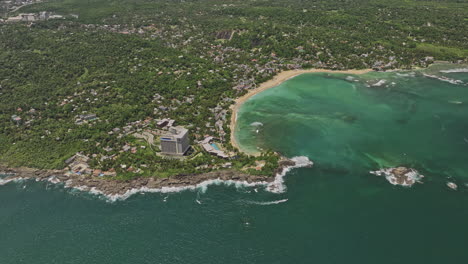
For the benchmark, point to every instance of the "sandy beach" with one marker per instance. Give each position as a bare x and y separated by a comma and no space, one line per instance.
278,79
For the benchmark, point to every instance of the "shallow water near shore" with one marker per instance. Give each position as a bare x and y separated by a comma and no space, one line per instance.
334,212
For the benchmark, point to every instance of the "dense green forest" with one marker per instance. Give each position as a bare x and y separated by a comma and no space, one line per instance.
129,60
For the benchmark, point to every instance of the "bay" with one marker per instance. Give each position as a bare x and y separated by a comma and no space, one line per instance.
334,212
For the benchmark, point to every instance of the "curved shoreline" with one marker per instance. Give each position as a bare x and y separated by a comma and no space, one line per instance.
277,80
114,190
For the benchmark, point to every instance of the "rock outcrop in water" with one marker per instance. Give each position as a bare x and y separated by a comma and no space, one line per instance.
452,186
402,176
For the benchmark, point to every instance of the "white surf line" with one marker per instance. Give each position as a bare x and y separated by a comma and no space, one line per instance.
444,79
455,70
277,186
202,186
6,181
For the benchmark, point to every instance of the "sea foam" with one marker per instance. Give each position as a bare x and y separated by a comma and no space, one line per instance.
409,74
5,181
379,83
255,124
455,70
444,79
201,186
277,186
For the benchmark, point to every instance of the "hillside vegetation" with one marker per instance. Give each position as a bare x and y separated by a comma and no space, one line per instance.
130,60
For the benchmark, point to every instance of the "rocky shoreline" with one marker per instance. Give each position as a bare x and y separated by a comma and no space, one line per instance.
117,189
402,176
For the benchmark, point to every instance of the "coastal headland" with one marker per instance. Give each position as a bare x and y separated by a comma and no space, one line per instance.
275,81
118,189
113,189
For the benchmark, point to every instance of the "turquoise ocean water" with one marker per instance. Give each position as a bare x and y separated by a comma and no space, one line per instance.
334,212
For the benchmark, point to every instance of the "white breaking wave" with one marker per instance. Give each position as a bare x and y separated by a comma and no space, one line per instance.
277,186
379,83
444,79
53,180
256,124
455,70
2,176
268,203
5,181
410,74
202,186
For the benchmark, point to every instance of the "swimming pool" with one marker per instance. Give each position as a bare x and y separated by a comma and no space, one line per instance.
214,146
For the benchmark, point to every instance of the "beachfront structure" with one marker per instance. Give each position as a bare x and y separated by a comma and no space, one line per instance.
207,140
175,142
212,149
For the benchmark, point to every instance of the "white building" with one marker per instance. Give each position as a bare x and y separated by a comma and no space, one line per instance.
175,142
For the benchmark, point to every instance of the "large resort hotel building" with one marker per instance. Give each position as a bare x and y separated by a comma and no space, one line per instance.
175,142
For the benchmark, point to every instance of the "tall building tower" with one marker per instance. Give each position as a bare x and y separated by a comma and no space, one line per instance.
175,142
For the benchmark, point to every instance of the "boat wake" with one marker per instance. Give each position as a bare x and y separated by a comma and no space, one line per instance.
267,203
